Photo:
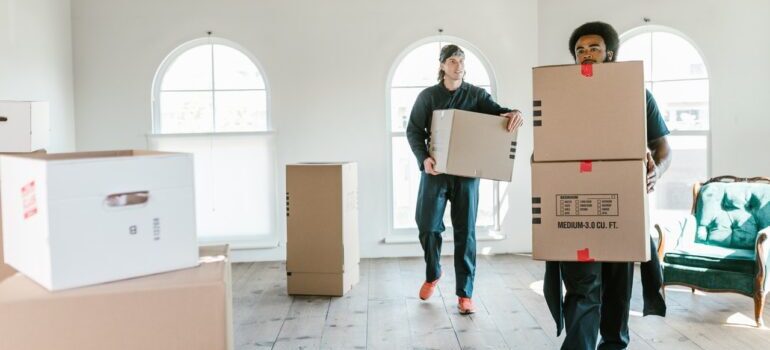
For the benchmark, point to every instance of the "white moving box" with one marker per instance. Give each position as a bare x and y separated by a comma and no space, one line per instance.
24,126
77,219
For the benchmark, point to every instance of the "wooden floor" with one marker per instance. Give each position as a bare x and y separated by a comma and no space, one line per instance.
383,312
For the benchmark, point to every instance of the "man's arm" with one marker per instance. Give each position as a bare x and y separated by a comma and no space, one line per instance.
658,160
659,157
417,130
489,106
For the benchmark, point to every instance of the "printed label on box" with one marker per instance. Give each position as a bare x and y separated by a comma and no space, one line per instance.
28,199
587,205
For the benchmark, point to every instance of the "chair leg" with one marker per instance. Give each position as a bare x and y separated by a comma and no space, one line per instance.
759,307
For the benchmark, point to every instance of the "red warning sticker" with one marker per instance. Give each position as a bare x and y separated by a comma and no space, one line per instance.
584,255
586,166
587,70
28,199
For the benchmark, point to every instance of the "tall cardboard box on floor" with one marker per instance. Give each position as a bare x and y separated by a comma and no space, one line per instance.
472,144
589,112
583,211
189,309
322,251
77,219
24,126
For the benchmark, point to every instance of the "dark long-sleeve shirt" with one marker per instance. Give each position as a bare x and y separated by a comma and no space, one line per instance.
652,274
467,97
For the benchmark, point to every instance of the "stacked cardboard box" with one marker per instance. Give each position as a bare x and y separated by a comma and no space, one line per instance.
78,219
322,252
185,309
589,200
472,145
24,128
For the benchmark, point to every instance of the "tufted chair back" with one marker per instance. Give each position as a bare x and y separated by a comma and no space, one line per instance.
730,211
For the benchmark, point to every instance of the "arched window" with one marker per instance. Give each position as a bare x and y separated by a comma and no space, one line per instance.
416,69
211,99
675,73
209,85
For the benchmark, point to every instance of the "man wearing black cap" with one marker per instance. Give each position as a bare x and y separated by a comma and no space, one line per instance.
598,297
451,92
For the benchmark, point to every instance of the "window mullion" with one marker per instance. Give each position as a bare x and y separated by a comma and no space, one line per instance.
213,93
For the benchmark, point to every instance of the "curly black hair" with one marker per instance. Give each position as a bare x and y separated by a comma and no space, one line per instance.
604,30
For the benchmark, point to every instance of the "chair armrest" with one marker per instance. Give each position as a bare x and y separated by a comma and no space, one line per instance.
682,234
661,242
762,250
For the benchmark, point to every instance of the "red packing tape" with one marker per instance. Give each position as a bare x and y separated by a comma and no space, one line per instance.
584,255
587,70
586,166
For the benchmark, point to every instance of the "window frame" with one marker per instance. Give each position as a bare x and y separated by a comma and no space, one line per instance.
272,239
178,51
651,29
408,235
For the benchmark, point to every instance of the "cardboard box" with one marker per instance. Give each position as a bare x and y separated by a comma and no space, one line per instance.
583,211
185,309
24,126
322,252
472,144
313,283
77,219
5,270
589,112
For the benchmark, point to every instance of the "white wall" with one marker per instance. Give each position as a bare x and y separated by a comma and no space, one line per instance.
327,65
734,38
36,61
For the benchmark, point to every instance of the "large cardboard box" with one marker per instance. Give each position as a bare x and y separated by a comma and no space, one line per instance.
76,219
472,144
24,126
589,112
322,252
590,211
185,309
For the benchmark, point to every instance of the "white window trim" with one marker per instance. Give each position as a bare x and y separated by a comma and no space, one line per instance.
171,57
410,235
261,241
273,239
659,28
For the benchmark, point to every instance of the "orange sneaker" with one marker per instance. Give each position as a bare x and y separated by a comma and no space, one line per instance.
427,288
465,305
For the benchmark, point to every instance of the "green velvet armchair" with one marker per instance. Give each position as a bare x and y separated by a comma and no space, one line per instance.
722,244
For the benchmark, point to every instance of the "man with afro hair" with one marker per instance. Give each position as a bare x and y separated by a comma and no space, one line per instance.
598,294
